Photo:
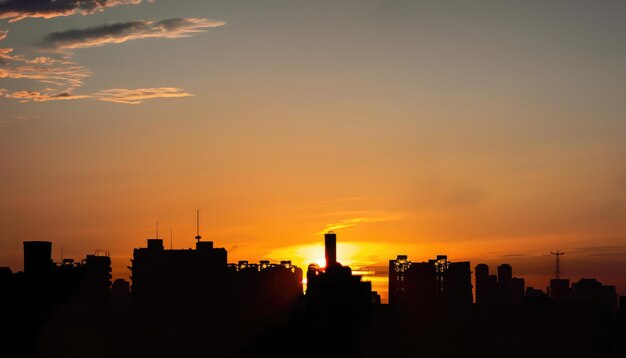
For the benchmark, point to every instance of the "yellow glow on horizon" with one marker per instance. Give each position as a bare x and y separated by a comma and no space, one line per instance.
348,254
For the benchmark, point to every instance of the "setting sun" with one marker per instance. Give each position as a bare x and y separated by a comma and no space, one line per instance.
355,254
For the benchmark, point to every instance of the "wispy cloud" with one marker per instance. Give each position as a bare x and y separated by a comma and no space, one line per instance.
57,73
120,32
51,71
27,96
119,95
136,96
608,250
16,10
351,222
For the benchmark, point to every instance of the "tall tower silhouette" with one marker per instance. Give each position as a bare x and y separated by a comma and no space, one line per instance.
198,237
558,268
330,242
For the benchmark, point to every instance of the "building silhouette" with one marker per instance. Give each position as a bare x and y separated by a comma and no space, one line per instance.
419,287
535,293
338,304
559,289
486,285
186,299
586,290
49,301
335,286
322,281
503,288
457,290
38,258
156,271
591,290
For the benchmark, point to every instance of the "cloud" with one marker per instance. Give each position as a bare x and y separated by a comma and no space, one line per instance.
27,96
64,75
56,71
42,69
596,249
119,95
609,250
346,223
120,32
16,10
136,96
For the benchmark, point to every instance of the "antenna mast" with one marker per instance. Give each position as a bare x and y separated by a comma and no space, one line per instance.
171,235
198,237
557,254
157,229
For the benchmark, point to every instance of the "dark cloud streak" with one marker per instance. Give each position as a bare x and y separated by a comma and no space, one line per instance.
126,31
16,10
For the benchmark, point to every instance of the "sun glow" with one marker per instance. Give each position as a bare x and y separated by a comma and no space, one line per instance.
356,254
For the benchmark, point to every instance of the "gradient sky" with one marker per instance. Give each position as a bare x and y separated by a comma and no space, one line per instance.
488,130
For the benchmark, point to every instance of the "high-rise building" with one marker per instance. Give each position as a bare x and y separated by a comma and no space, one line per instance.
330,248
505,275
483,292
338,304
517,290
458,284
336,285
37,257
420,286
503,288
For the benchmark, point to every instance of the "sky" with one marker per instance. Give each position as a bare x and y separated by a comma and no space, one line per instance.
489,131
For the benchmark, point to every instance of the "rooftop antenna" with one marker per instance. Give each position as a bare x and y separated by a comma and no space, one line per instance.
198,237
157,229
558,268
61,252
171,235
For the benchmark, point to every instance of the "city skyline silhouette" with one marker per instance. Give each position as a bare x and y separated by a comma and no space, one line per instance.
377,273
248,308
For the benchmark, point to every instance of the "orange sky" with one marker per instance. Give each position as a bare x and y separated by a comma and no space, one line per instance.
488,131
